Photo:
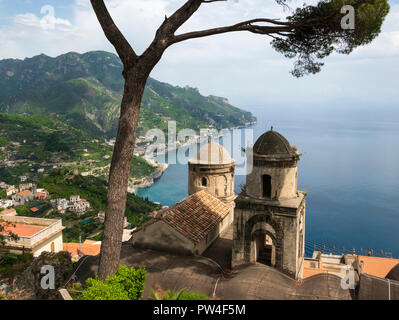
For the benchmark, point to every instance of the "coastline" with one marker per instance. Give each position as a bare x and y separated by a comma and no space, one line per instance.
148,181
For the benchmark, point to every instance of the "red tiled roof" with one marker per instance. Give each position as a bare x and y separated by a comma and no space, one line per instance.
7,211
21,229
34,209
87,248
376,266
24,193
196,215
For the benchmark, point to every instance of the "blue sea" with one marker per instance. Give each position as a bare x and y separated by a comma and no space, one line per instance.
349,168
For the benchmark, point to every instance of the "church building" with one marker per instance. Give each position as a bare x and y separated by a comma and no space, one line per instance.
267,218
194,223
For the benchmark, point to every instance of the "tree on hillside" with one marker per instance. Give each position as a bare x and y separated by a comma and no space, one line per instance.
309,34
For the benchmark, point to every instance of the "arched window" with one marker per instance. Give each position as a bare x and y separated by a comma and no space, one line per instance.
204,182
267,186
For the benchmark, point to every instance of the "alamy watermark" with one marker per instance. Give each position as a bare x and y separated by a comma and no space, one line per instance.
348,282
48,20
48,279
348,20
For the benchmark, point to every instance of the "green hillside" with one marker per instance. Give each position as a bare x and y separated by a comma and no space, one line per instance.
86,90
38,141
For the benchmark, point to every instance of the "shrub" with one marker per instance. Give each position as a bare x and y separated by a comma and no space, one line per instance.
160,294
125,284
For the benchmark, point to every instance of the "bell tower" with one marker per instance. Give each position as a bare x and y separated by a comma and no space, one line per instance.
269,217
212,169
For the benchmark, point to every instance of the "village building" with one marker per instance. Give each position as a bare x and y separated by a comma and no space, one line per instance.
25,186
42,194
193,224
80,207
8,212
6,203
23,197
61,205
101,216
36,235
76,205
34,210
78,250
10,191
74,198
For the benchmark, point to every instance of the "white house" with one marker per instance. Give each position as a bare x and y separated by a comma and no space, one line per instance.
35,234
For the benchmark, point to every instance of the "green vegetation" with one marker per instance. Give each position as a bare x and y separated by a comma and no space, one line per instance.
183,294
34,140
125,284
140,168
12,264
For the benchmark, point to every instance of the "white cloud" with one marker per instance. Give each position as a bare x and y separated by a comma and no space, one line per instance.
241,66
46,22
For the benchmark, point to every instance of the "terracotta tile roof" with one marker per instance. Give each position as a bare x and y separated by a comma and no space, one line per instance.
24,193
196,215
7,211
90,242
21,229
34,209
87,249
376,266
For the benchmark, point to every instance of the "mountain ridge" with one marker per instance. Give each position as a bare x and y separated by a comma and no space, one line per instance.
86,89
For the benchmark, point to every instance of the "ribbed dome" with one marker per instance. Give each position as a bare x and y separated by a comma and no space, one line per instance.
212,153
273,143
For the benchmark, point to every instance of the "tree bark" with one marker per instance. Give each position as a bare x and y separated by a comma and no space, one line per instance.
119,173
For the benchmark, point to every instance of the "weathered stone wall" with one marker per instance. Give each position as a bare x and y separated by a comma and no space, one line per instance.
219,180
160,236
281,225
283,186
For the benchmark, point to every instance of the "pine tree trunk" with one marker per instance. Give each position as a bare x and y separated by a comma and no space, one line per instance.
119,174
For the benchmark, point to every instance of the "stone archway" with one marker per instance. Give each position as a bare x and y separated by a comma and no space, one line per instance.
264,247
270,228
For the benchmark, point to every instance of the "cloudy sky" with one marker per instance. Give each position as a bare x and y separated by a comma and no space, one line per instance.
242,67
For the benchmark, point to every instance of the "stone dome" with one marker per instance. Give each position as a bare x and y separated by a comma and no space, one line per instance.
394,273
212,153
271,143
